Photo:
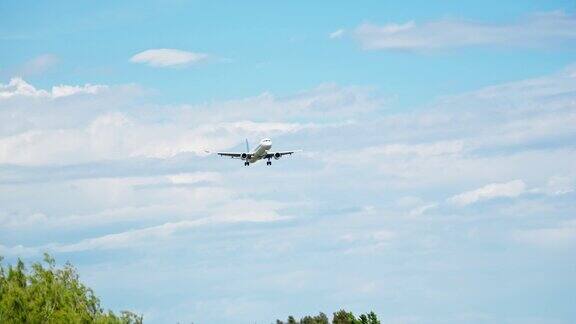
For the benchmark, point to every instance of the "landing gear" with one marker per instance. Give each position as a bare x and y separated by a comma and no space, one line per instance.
246,163
269,163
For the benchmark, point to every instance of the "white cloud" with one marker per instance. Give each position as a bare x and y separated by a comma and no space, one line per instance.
559,185
378,236
132,237
119,199
19,87
562,235
322,104
18,250
256,213
18,220
166,57
190,178
400,160
336,34
66,90
94,129
422,209
537,30
494,190
494,133
110,241
373,158
368,243
556,185
431,148
428,149
118,136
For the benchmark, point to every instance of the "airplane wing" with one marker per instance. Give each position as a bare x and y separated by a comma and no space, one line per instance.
278,155
233,155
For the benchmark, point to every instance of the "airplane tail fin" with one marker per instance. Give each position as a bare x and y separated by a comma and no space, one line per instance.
247,146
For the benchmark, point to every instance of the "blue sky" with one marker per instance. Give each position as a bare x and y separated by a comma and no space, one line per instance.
436,182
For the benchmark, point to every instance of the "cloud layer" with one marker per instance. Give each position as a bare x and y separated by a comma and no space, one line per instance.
537,30
481,177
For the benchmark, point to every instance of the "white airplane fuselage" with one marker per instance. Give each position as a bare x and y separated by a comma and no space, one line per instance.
260,151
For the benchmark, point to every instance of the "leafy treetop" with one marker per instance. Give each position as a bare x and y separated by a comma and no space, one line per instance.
48,294
340,317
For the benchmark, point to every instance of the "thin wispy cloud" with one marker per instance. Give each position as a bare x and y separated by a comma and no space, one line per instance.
167,57
336,34
252,212
494,190
536,30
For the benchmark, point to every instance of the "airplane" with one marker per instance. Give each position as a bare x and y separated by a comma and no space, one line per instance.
260,153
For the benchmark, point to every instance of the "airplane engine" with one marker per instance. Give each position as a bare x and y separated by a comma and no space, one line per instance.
277,156
244,156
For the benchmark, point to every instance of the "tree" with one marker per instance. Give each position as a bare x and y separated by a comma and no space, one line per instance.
369,318
344,317
318,319
48,294
340,317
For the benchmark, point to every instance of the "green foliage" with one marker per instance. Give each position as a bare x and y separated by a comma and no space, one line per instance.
340,317
318,319
48,294
369,318
344,317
